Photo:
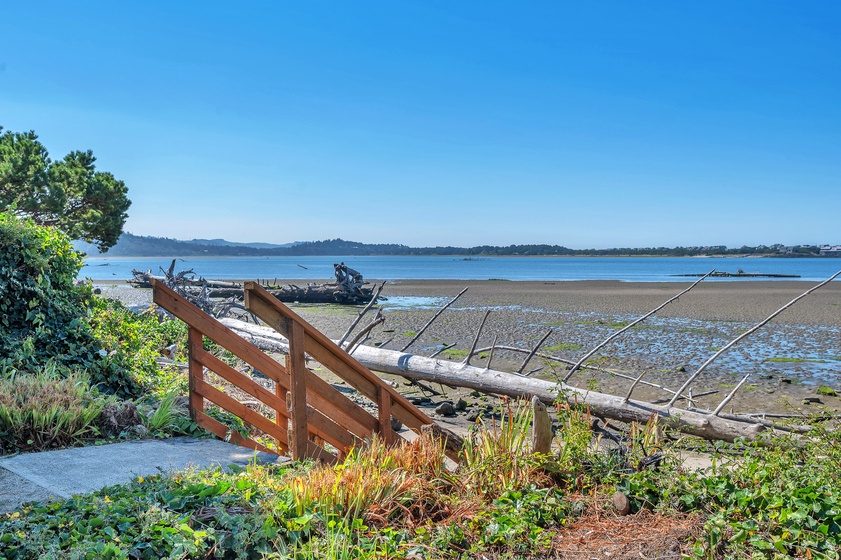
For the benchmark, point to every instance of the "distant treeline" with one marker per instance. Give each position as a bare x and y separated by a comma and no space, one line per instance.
142,246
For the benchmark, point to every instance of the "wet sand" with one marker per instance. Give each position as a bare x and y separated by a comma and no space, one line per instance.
788,359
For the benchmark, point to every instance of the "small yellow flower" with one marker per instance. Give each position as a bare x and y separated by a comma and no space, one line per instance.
107,499
15,515
140,479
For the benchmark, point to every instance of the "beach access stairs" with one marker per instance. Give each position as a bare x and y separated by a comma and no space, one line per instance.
312,419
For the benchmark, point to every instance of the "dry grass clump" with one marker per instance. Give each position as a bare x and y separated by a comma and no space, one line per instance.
44,410
381,483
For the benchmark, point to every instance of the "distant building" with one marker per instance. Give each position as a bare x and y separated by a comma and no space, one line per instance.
831,250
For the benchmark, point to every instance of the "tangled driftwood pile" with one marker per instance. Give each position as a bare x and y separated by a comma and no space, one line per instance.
349,288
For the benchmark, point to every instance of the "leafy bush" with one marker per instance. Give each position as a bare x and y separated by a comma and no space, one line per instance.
131,342
45,318
44,410
43,315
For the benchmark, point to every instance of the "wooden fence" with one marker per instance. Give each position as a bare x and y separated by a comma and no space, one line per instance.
309,412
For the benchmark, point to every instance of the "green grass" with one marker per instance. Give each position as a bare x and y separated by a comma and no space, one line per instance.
47,410
618,325
694,331
563,347
792,360
455,353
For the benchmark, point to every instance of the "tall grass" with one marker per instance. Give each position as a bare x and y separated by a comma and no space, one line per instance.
500,458
47,409
166,418
380,482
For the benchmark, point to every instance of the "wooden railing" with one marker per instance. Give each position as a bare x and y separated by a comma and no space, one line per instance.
309,412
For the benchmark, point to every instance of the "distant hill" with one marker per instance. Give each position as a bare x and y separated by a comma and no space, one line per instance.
254,245
130,245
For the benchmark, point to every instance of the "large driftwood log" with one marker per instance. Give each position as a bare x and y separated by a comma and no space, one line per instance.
700,424
332,292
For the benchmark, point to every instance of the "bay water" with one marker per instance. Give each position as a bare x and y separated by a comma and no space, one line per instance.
320,268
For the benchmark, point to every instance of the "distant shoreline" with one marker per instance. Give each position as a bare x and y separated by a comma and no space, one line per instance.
465,257
137,246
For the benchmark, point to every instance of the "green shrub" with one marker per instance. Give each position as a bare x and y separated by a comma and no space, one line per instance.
131,342
45,410
45,318
43,315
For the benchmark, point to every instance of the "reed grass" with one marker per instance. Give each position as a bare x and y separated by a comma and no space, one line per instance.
47,409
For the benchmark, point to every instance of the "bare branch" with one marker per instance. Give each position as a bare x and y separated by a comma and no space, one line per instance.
443,349
378,320
491,356
599,346
476,338
726,400
634,385
570,362
688,397
359,316
426,326
534,351
748,333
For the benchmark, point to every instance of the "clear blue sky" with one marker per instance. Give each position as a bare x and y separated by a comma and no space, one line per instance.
587,124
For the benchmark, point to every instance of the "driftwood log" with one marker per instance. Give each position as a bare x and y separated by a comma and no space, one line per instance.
698,423
331,292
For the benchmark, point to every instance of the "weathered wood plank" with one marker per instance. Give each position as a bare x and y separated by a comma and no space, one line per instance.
384,413
242,381
327,398
196,371
320,424
541,427
296,398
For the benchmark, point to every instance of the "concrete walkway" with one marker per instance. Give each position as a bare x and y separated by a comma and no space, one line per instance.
63,473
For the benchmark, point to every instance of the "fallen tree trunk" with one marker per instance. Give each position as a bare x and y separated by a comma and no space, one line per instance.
415,367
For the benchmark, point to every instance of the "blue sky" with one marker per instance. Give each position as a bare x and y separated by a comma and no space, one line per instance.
589,124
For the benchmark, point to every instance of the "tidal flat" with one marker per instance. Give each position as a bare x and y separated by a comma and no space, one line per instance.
790,359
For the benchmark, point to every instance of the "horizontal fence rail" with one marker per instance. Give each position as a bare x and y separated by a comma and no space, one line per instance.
313,419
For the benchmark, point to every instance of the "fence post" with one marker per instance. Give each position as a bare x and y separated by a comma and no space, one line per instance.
384,414
296,398
196,371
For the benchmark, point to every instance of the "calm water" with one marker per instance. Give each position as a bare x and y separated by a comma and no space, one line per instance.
630,269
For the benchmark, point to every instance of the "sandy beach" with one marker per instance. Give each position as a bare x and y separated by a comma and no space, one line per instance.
788,359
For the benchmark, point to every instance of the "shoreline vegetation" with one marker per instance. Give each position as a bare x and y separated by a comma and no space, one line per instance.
130,245
632,496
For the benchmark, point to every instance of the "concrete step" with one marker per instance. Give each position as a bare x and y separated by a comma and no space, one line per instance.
81,470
